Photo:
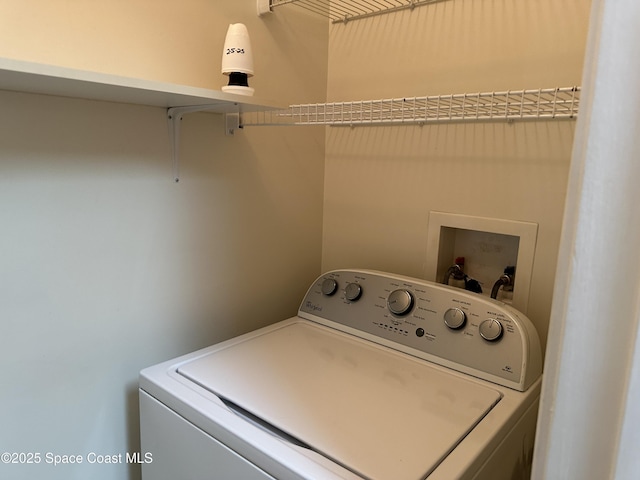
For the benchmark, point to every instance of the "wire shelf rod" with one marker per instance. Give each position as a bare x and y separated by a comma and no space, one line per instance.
379,9
321,7
343,11
542,104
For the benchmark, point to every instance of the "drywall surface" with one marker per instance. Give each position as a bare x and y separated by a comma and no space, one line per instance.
107,265
382,182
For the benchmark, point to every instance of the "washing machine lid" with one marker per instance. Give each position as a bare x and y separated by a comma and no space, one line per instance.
378,412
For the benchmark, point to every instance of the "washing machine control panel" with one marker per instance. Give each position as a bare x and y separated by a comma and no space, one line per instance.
451,327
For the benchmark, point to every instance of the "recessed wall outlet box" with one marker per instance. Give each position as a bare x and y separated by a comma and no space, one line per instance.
489,245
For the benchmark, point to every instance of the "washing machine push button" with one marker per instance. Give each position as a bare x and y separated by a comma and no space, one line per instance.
491,330
353,292
454,318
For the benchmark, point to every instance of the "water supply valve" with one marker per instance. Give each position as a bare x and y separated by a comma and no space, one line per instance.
506,281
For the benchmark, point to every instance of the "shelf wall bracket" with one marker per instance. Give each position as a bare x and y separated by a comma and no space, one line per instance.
231,122
264,6
174,117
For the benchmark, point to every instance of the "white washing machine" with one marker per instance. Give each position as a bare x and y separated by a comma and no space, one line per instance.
379,377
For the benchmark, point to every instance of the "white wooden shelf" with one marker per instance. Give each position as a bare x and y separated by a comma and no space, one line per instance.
20,76
28,77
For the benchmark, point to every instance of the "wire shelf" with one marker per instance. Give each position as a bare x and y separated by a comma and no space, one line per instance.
343,11
539,104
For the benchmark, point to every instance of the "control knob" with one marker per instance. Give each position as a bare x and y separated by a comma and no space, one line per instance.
400,301
329,286
352,292
454,318
491,330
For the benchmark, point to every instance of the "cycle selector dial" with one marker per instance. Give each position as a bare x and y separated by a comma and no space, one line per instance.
400,302
329,287
454,318
353,292
491,330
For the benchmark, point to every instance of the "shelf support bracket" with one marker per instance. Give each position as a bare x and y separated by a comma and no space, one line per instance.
264,6
231,122
174,117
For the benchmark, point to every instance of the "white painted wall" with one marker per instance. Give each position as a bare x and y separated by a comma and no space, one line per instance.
107,265
381,182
